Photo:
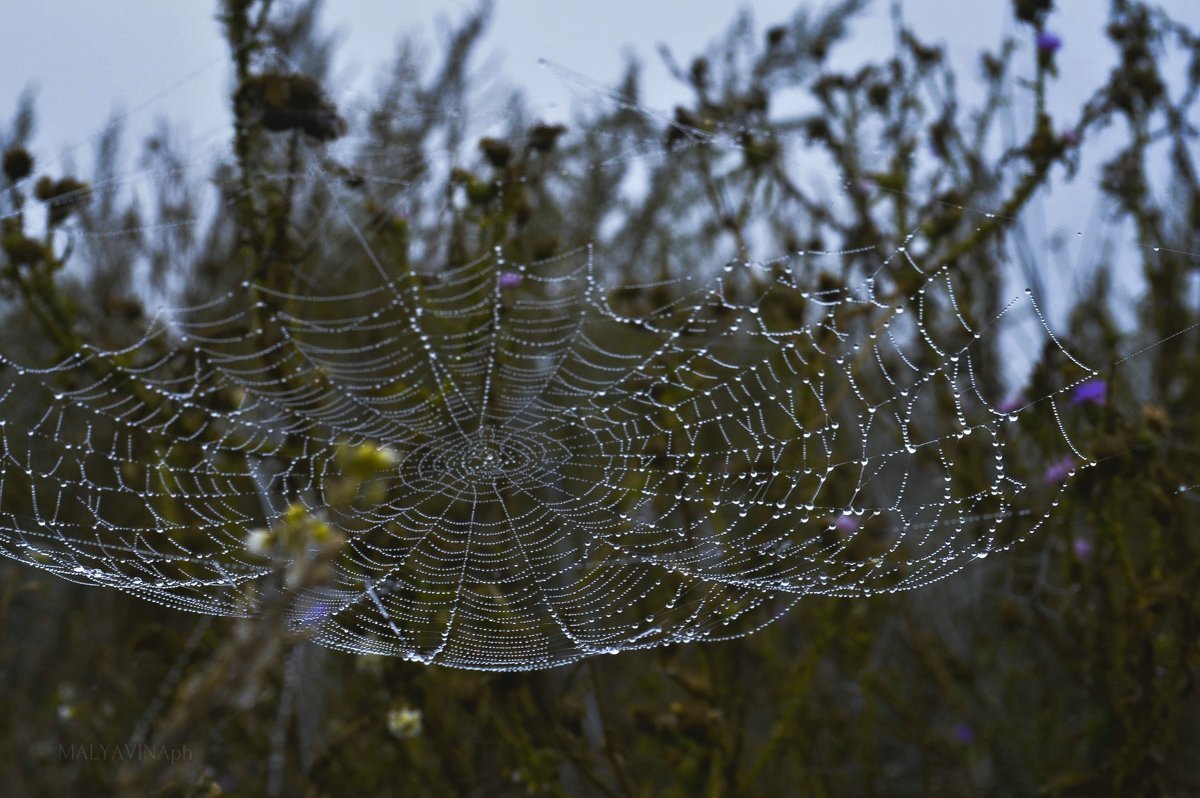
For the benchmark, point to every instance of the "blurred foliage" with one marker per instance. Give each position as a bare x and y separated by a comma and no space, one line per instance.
1065,668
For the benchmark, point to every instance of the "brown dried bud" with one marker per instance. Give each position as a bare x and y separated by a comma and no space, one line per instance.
18,163
759,152
498,153
879,94
756,100
481,192
285,102
1032,10
543,138
62,197
817,129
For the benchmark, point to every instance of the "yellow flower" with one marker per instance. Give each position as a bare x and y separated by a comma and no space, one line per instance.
404,722
259,541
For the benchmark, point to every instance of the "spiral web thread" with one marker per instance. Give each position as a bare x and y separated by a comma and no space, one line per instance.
571,467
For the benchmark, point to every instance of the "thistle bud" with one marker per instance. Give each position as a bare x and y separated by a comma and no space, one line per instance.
543,138
18,163
44,188
284,102
817,129
497,152
759,152
481,192
1032,11
879,94
62,197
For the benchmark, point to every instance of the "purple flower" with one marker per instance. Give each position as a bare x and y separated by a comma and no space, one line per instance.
1057,472
509,279
1090,392
963,734
1082,548
1048,42
845,525
1012,404
1069,137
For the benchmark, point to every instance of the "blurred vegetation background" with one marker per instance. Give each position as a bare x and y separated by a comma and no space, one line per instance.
1066,667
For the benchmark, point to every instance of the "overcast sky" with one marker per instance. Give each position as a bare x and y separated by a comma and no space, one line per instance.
85,59
158,58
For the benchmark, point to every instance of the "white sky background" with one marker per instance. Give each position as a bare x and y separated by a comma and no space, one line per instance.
86,59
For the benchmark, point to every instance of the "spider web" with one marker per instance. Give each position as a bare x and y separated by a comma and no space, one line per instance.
571,465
